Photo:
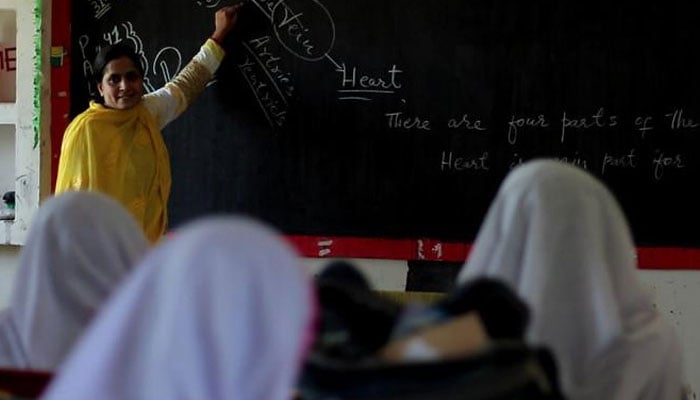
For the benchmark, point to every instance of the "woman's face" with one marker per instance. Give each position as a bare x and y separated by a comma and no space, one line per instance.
121,85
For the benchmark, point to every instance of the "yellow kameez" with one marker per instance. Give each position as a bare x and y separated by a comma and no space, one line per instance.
120,153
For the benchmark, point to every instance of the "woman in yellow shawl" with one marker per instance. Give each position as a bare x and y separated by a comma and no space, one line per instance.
116,146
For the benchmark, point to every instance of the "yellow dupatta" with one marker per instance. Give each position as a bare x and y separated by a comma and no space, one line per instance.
120,153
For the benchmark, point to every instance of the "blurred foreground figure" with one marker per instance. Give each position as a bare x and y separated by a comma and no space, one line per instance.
557,236
80,247
221,311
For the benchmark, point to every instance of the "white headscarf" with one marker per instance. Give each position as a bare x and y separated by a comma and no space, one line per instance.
79,248
221,311
558,237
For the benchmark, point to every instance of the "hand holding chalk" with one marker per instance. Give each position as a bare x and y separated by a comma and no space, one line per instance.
224,20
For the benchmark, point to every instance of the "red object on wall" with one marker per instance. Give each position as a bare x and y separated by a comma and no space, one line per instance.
60,80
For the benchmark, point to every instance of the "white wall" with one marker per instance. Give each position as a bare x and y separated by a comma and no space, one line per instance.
676,293
8,266
7,159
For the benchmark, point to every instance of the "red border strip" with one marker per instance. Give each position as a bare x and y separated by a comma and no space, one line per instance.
60,80
435,250
391,249
668,258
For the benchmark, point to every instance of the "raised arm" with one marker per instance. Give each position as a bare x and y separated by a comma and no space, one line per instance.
170,101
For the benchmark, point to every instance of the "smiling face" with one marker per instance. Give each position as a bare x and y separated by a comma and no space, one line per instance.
121,85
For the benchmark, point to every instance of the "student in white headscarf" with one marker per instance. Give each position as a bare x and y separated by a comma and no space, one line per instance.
223,310
559,238
79,248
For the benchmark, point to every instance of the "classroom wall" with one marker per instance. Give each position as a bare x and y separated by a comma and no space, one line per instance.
8,266
7,160
677,296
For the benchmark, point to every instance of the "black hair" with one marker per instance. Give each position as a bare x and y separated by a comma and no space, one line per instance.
343,273
504,313
113,52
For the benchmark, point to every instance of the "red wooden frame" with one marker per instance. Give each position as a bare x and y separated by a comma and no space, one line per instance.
60,80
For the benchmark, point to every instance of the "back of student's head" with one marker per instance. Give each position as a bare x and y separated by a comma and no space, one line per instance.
355,321
557,236
504,315
223,309
79,248
343,273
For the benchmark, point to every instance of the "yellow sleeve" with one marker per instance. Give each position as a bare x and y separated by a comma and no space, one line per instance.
216,50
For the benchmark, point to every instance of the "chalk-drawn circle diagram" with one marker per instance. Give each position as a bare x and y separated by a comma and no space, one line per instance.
208,3
304,27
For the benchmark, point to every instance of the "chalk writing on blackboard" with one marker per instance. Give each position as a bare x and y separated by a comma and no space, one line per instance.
455,162
88,73
269,96
100,7
208,3
270,63
308,34
582,123
680,121
166,63
577,159
663,161
466,123
304,27
355,85
398,120
519,121
625,161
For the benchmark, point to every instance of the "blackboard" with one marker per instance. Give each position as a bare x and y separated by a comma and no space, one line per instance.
400,118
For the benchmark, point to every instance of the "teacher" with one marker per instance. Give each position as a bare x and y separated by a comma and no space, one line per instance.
116,146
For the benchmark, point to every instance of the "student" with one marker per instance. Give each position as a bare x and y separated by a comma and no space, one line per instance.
221,311
80,247
559,238
116,147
